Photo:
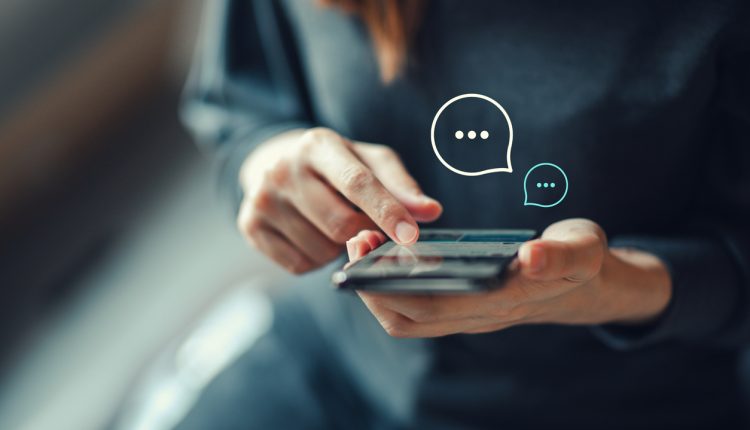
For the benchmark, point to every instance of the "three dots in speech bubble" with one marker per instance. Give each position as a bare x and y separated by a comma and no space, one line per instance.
484,135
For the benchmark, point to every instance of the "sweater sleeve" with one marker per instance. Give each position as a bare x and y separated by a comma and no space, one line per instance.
245,84
709,260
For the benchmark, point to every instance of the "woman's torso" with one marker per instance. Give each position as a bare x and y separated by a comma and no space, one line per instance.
619,94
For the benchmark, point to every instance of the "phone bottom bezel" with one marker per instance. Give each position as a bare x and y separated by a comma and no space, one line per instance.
420,285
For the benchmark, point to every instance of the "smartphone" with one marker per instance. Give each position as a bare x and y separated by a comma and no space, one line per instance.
441,261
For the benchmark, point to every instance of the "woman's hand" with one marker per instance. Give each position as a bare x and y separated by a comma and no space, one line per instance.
306,192
568,276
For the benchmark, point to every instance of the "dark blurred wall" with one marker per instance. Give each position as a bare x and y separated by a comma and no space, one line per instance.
38,38
84,87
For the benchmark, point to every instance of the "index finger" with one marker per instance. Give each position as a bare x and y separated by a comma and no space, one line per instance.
335,162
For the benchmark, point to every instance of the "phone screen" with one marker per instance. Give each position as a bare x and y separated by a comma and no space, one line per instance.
443,254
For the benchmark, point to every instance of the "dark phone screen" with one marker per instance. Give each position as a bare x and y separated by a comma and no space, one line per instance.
443,254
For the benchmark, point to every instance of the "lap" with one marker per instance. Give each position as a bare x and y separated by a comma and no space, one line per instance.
292,377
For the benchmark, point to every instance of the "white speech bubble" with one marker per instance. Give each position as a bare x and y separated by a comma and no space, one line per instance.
510,137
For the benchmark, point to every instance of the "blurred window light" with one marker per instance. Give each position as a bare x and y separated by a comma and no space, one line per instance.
229,330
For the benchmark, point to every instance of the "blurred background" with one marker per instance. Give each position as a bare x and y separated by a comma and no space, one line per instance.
124,286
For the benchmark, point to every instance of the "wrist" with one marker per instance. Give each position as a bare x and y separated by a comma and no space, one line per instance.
639,285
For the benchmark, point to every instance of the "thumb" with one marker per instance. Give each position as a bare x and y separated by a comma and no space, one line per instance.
571,249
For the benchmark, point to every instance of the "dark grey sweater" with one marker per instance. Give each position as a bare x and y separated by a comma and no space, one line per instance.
645,104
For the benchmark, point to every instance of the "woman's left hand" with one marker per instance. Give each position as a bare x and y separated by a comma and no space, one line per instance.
568,276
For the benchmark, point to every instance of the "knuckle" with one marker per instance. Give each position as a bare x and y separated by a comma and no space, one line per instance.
596,230
253,226
280,175
588,260
318,133
594,226
250,227
314,137
355,178
599,231
262,200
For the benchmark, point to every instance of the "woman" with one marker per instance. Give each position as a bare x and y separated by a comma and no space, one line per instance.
628,312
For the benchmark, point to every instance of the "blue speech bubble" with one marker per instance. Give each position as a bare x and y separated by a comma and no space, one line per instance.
546,184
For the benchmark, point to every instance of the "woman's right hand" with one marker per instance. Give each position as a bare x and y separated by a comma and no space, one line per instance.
306,192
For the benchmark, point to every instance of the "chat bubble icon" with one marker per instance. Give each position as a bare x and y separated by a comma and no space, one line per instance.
472,135
545,185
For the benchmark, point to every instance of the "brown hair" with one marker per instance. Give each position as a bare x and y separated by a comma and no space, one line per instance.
392,25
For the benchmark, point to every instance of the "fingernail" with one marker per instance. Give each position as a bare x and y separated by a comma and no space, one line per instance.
350,250
405,232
